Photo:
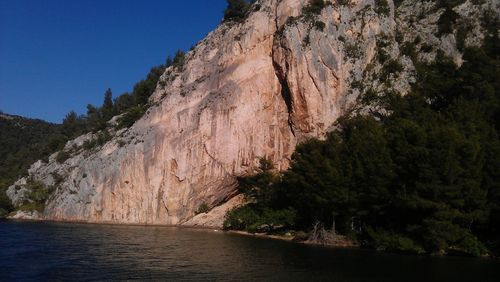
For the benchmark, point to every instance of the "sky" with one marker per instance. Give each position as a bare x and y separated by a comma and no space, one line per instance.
60,55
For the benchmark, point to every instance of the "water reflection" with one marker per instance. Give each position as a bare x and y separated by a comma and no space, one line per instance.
48,251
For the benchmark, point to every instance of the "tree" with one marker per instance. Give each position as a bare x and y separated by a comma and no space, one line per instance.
94,118
236,10
107,106
123,102
73,125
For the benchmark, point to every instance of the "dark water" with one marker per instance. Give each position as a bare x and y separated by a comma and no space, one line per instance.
49,251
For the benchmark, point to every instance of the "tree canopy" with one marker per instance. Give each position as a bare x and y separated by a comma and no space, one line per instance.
423,178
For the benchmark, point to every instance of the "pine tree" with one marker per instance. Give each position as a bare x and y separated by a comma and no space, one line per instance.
107,106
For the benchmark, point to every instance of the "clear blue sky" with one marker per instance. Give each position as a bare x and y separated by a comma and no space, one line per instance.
60,55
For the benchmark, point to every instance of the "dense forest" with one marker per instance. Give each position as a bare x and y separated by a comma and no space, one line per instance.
420,176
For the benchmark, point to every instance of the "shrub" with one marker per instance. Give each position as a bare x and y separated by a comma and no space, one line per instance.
203,208
58,179
103,137
38,195
253,219
241,218
446,21
5,203
386,241
314,8
131,116
392,66
382,7
352,51
62,156
89,144
319,25
179,60
426,48
236,10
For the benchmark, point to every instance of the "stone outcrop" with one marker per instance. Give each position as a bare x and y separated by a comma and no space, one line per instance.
248,90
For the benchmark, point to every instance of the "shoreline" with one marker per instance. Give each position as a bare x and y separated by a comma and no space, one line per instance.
214,229
289,239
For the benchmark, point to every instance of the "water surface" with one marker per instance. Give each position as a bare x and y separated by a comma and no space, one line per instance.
56,251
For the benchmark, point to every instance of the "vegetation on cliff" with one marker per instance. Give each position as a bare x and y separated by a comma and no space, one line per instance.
420,176
24,141
238,10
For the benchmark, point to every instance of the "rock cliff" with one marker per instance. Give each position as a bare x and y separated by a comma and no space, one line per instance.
248,90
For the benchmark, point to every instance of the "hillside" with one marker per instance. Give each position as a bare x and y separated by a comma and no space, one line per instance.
254,88
23,141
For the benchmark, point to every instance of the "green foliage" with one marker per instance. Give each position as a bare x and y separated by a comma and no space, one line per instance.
5,204
447,20
203,208
237,10
352,51
258,186
344,2
382,7
242,218
392,66
319,25
254,219
62,156
101,138
313,8
179,59
145,88
25,141
423,178
131,116
258,216
385,241
38,195
107,106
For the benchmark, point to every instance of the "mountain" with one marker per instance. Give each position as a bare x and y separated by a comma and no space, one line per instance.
252,89
23,141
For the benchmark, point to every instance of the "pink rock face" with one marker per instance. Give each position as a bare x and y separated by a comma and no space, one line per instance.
211,122
248,90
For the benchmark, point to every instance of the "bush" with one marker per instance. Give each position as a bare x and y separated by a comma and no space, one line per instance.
5,203
103,137
241,218
203,208
392,66
352,51
382,7
251,218
385,241
131,116
62,156
37,197
236,10
319,25
179,60
446,21
314,8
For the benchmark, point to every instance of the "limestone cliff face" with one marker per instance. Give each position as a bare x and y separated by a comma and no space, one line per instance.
246,91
